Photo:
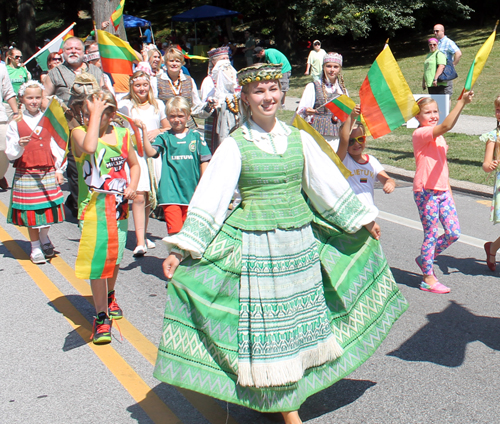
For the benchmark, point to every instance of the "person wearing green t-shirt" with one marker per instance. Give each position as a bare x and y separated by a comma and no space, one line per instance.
434,65
185,157
17,73
276,57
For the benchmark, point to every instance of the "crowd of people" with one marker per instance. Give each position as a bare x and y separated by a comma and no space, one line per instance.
253,208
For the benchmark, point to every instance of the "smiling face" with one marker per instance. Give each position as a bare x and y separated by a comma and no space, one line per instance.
357,142
174,65
332,70
141,89
16,58
433,46
154,60
73,52
263,98
428,115
32,99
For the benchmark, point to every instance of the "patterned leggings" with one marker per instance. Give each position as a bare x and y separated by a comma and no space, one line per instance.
434,206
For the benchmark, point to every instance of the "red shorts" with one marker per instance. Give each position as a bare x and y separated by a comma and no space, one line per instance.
175,215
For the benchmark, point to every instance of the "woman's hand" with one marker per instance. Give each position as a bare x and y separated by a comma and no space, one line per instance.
23,141
374,229
311,111
170,264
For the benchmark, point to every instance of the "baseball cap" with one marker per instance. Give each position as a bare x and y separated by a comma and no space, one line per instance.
257,50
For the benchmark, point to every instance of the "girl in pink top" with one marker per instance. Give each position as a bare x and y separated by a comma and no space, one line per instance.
431,187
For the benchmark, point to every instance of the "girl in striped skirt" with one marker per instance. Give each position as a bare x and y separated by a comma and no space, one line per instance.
36,199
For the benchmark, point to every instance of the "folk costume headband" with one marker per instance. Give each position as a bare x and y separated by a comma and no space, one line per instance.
29,84
220,51
259,72
333,58
91,56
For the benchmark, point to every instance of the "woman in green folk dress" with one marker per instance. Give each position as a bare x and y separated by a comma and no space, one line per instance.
269,304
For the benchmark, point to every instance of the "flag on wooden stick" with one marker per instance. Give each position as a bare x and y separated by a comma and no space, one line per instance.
117,57
386,100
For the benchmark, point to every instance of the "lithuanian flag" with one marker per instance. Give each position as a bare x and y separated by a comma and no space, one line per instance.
479,61
98,250
386,100
55,122
341,107
116,16
117,57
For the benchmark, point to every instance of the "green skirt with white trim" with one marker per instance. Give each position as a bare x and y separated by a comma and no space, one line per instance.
199,345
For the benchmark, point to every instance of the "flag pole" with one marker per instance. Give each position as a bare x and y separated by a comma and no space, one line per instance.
39,52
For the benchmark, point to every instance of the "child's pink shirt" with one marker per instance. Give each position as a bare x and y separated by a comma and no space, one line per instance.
430,156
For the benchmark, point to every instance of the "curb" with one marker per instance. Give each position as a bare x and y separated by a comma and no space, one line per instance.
461,186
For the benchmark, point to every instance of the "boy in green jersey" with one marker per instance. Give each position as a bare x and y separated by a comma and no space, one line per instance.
185,157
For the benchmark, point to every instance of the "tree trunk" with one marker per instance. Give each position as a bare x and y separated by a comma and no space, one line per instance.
101,12
4,28
27,27
285,29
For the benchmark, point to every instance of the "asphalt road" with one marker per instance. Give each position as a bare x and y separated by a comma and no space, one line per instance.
439,364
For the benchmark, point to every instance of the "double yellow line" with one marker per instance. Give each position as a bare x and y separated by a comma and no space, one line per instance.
149,401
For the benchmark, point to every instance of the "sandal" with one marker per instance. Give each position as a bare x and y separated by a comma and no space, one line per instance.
492,265
436,288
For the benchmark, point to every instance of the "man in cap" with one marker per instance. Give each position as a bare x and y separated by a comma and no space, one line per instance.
276,57
315,61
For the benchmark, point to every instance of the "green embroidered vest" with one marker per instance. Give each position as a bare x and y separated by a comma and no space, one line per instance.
270,186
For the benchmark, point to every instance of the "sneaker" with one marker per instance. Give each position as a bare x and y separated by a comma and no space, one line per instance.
48,250
38,258
436,288
150,244
114,311
101,333
140,251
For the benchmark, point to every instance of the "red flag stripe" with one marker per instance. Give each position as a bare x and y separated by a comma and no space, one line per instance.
378,125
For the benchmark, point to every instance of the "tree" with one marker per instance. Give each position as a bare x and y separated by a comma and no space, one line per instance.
101,12
27,26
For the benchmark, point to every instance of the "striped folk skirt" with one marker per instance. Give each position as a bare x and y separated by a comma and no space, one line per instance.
36,198
216,340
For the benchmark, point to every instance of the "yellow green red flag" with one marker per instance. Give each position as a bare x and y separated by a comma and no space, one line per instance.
386,100
341,106
116,16
117,57
55,122
301,124
479,61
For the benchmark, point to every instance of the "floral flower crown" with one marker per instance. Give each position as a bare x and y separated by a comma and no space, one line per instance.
29,84
333,57
259,72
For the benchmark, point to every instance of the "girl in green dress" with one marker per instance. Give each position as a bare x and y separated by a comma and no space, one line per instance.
289,292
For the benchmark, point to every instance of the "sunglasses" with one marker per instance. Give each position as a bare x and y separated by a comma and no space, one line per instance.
317,44
18,57
431,44
436,30
56,59
361,139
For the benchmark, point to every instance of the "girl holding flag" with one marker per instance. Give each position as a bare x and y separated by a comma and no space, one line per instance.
36,200
101,152
318,93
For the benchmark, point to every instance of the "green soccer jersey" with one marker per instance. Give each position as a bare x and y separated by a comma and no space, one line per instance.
180,171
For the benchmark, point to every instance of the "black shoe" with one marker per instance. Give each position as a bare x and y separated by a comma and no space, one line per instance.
4,185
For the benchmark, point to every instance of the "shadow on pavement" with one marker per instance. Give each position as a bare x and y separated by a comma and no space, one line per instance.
341,394
407,278
468,266
83,318
443,340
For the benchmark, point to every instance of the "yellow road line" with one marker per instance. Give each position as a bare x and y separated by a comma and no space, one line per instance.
484,202
149,401
204,404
